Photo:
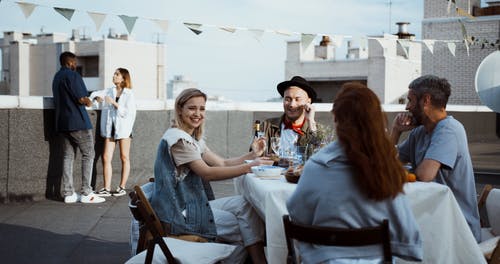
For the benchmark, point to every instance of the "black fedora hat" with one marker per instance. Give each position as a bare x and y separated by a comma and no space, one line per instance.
299,82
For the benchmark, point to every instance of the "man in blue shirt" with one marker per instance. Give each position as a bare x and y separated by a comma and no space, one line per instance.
73,125
437,145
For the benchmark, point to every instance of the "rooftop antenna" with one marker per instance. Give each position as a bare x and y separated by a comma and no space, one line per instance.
390,16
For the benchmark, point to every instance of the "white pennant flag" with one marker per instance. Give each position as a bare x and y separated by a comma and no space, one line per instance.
467,46
283,32
337,40
257,33
98,19
27,8
429,43
449,6
228,29
163,24
403,45
129,22
306,40
384,43
452,47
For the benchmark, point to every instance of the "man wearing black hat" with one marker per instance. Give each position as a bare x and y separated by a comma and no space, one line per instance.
296,127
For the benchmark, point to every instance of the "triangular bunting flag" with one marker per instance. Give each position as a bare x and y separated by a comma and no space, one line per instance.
228,29
129,22
27,8
257,33
98,18
452,47
467,47
306,39
196,28
163,24
384,42
65,12
337,40
283,32
403,46
429,43
464,13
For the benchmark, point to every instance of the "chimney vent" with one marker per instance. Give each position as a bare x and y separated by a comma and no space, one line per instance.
75,35
403,31
112,33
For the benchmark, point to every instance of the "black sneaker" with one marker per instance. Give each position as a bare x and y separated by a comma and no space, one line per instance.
103,193
119,192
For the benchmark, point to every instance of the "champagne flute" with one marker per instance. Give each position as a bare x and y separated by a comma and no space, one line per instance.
275,145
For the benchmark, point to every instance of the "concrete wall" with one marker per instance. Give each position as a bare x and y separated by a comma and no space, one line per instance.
30,155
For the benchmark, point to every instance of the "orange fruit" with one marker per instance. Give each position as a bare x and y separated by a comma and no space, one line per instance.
411,177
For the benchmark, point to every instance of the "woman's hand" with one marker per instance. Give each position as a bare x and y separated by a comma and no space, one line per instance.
109,100
261,161
259,146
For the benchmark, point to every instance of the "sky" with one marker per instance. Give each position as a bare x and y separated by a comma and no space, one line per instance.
234,65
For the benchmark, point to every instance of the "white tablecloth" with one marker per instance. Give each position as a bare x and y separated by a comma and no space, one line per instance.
446,235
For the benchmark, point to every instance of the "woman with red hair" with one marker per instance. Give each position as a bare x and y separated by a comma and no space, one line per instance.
356,181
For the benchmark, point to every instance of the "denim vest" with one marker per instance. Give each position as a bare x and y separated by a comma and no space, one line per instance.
182,204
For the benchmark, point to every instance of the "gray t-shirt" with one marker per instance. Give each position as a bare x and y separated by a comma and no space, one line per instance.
447,144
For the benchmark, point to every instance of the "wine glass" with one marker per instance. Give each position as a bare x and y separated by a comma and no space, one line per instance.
275,145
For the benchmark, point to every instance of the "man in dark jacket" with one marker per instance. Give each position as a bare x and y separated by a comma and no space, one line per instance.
74,127
296,127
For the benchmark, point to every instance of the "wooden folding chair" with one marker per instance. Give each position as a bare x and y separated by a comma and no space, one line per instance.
489,206
145,214
330,236
481,201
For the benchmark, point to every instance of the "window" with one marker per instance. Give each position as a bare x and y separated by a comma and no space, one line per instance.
88,66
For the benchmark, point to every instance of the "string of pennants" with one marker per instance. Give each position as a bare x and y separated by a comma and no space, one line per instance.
305,38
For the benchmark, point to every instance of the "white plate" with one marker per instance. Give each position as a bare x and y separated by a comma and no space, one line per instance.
267,171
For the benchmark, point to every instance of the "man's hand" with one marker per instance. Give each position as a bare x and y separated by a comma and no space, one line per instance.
402,122
310,112
85,101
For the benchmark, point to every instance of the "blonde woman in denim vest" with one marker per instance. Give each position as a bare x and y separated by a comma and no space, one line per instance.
183,162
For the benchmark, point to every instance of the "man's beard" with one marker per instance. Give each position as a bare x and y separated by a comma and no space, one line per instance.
417,115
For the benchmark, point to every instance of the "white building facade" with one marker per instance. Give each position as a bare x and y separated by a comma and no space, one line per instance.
178,84
382,65
30,62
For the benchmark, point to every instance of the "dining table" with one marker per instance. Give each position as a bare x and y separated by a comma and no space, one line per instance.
445,234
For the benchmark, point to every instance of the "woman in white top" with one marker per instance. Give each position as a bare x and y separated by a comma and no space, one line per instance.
117,119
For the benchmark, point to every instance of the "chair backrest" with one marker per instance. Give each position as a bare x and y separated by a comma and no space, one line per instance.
493,210
330,236
481,201
146,215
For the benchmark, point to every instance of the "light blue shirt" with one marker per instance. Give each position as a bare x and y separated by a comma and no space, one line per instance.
327,195
447,144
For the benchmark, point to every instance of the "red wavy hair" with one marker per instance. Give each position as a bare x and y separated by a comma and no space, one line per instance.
361,129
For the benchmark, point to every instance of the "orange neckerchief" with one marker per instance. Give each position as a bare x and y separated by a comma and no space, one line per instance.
296,128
